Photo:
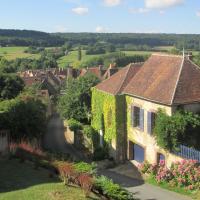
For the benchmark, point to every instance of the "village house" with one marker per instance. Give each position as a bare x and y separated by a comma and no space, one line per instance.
124,106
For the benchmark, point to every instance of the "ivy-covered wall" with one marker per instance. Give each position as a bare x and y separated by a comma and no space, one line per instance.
108,114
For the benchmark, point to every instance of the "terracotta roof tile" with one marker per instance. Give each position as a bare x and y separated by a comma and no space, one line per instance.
188,87
115,84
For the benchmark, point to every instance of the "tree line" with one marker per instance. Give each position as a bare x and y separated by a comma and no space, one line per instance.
119,40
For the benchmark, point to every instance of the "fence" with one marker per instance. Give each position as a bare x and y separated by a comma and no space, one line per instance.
188,153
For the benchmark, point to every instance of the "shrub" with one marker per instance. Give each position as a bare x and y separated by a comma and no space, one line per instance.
74,125
111,190
26,151
86,182
67,173
185,173
89,131
100,153
82,167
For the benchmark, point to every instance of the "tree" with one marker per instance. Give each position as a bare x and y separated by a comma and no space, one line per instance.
76,103
79,54
10,86
24,117
180,128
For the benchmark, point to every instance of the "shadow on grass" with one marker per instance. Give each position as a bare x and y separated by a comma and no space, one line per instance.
16,176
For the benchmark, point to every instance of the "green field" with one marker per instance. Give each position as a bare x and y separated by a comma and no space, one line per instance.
11,53
73,55
20,181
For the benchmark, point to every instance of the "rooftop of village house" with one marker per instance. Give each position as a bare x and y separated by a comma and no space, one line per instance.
166,79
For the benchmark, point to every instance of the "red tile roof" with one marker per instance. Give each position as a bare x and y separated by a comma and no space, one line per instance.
166,79
156,79
116,83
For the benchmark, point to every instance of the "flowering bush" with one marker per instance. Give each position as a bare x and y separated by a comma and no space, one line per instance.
185,173
86,182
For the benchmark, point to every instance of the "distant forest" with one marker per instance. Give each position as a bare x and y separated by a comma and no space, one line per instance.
127,41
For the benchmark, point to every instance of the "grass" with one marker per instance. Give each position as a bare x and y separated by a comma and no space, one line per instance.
73,55
12,53
192,194
20,181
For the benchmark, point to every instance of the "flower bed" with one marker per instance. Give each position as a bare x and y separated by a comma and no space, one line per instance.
183,174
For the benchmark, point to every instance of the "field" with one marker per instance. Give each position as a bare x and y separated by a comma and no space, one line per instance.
73,55
11,53
20,181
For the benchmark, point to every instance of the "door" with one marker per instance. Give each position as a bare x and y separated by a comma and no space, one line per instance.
138,153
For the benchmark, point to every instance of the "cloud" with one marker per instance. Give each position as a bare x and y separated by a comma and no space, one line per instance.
160,4
198,13
139,10
80,10
112,3
101,29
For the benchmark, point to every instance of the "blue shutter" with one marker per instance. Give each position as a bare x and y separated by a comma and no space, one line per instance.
149,122
132,116
141,119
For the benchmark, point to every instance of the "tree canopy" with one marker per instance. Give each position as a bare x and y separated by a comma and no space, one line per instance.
76,103
10,86
180,128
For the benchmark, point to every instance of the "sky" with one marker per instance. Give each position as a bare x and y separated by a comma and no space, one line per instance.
133,16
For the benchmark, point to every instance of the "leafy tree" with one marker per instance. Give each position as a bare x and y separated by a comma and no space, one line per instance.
24,117
76,103
10,86
180,128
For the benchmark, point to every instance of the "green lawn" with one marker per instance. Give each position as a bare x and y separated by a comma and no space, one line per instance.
20,181
11,53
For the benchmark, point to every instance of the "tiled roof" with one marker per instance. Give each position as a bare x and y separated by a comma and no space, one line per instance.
166,79
115,84
156,79
188,86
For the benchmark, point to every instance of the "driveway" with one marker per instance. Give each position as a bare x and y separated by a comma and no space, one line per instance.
141,190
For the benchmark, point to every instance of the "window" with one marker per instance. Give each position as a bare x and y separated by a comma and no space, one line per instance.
137,117
160,158
151,118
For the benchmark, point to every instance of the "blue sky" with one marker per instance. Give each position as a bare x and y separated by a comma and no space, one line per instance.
152,16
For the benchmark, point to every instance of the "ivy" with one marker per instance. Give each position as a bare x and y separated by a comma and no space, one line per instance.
107,114
171,131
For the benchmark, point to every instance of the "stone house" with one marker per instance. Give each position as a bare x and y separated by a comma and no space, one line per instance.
124,106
